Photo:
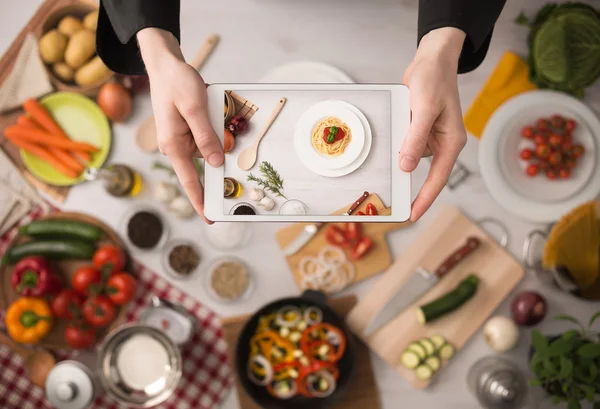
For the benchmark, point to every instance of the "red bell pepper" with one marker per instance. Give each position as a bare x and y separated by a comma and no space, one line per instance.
33,277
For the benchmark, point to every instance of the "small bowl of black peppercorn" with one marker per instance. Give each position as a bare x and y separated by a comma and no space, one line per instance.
243,209
181,258
144,228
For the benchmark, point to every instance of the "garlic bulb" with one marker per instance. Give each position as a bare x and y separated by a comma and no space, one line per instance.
182,207
257,194
165,192
267,203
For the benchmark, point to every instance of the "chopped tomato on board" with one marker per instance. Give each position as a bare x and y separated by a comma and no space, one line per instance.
362,247
371,210
353,231
336,237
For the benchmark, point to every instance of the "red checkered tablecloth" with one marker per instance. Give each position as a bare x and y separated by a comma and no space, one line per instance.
207,376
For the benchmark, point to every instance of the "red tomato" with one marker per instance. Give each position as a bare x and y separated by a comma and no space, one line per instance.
532,170
555,158
371,210
99,311
539,139
571,163
527,132
67,304
570,125
335,236
543,166
564,173
542,124
360,213
557,121
567,137
121,288
565,147
80,335
554,140
551,174
353,231
109,254
526,154
542,151
578,151
361,248
87,280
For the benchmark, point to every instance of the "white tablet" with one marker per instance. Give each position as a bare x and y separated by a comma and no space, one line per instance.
328,145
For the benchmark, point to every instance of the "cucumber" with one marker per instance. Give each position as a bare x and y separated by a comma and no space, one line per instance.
418,349
447,351
410,359
434,363
62,228
428,345
438,341
53,249
424,372
448,302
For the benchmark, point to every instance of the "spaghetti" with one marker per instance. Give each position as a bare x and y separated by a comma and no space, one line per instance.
331,136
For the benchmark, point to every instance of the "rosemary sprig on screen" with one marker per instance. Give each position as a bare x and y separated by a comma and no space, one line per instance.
270,181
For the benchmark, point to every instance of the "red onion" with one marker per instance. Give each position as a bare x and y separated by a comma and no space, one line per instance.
528,308
238,125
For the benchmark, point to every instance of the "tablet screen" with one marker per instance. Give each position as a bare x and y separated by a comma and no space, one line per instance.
324,150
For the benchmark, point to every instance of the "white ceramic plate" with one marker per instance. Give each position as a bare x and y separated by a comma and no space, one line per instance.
538,199
306,126
310,72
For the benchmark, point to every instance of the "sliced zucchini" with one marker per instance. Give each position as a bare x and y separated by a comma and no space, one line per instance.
428,345
447,351
410,359
424,372
438,341
434,363
418,349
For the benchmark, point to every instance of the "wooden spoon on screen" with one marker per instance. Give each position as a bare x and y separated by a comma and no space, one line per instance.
38,363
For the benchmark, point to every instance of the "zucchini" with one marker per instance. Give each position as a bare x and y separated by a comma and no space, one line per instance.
62,228
447,351
438,341
448,302
434,363
410,359
53,249
428,345
418,349
424,372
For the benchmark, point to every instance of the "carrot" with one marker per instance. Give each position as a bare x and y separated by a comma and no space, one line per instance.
27,122
44,155
44,138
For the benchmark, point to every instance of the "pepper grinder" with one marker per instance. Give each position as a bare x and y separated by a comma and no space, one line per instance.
497,383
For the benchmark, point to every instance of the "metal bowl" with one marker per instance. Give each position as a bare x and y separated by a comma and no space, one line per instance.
113,381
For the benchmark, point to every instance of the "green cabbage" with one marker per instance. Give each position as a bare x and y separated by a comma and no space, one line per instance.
564,47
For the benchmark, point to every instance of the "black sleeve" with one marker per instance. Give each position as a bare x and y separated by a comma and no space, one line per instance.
118,23
475,17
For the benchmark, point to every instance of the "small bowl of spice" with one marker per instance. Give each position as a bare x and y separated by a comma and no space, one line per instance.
181,258
229,280
145,228
243,209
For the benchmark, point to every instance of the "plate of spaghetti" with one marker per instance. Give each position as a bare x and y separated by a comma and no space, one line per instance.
329,136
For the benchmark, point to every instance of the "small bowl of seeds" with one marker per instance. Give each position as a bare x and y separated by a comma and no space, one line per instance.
181,258
229,280
145,228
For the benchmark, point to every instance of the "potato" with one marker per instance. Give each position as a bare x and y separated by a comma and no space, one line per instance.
69,25
63,71
52,46
81,47
91,21
92,73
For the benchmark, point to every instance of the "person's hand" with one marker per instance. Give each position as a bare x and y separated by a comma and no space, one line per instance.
436,119
180,108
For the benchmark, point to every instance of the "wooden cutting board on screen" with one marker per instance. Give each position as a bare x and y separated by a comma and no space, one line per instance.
375,262
499,272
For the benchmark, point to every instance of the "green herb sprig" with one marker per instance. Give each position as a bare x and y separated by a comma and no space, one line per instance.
270,180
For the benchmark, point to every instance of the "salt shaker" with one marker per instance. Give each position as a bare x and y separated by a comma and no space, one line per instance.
71,385
497,383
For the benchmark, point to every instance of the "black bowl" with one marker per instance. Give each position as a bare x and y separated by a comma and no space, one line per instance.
345,365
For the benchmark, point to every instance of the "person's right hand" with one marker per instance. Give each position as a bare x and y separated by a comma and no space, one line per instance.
180,106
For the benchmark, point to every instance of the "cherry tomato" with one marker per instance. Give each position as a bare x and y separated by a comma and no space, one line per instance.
67,304
360,213
526,154
336,237
542,151
551,174
87,280
362,247
542,124
371,210
570,125
578,151
564,173
567,137
99,311
353,231
571,163
539,139
532,169
543,166
80,335
109,254
566,147
557,121
527,132
554,140
121,288
555,158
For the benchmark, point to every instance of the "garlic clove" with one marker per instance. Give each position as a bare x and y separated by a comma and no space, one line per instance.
165,192
267,203
182,207
257,194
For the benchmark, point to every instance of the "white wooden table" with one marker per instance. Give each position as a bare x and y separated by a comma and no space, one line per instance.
373,41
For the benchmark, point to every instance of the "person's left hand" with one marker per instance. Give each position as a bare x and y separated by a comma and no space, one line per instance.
436,119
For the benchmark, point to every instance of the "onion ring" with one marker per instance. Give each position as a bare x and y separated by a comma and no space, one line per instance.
290,394
280,317
311,321
264,362
332,262
330,382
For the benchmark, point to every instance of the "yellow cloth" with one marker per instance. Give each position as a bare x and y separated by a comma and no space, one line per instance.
511,77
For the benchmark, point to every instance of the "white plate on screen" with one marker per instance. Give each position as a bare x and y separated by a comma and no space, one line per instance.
310,72
306,126
538,199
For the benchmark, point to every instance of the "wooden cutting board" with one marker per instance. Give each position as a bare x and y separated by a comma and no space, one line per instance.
362,392
498,271
375,262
